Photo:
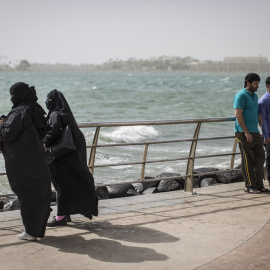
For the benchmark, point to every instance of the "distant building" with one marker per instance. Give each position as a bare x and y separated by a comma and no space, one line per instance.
246,60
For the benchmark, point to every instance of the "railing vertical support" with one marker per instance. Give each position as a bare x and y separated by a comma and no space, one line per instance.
191,160
233,156
93,151
144,160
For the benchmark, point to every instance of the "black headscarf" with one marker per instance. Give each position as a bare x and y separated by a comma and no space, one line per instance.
22,94
57,102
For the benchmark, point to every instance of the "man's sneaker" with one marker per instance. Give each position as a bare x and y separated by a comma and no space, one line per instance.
26,236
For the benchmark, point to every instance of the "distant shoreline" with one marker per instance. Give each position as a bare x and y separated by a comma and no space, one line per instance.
155,64
134,71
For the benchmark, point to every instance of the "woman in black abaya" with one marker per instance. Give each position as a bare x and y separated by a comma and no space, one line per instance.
73,182
28,174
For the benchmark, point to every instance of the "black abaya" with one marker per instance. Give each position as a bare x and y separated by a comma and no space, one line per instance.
27,171
71,177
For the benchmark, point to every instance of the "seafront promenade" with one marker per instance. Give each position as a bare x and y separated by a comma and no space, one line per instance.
221,227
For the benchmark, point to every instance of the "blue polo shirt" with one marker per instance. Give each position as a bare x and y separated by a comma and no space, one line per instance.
249,104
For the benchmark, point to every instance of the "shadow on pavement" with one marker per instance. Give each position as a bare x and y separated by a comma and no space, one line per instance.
107,246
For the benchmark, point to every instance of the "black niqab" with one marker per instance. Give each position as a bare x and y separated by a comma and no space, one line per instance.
57,102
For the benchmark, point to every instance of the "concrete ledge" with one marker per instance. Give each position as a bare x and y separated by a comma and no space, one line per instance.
172,230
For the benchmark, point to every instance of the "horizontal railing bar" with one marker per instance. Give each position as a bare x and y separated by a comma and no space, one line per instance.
117,164
159,142
140,162
7,195
164,160
219,155
161,160
161,122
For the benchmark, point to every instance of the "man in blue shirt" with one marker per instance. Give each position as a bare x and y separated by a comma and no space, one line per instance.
248,135
264,110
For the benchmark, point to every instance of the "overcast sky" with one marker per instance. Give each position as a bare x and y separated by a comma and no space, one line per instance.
93,31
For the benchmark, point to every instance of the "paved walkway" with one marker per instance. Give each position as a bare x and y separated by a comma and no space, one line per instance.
221,227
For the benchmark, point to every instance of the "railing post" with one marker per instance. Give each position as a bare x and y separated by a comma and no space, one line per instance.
233,156
93,151
144,160
191,160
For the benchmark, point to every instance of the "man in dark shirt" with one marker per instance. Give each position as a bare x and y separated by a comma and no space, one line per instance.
264,110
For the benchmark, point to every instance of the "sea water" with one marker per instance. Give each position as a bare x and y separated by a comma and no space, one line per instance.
136,96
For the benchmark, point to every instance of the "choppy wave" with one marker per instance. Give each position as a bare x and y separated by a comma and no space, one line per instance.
130,134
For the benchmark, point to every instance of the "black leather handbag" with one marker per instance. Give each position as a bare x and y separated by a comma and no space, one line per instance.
61,147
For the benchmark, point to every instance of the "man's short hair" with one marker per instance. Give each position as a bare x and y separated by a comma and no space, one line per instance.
252,77
267,81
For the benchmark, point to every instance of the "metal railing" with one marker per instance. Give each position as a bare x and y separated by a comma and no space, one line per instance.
192,154
190,158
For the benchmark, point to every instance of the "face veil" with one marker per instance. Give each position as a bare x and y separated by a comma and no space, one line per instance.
57,102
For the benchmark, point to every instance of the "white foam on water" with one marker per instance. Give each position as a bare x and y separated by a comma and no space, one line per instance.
102,159
179,167
219,164
224,150
89,137
169,169
223,165
225,79
215,149
131,134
